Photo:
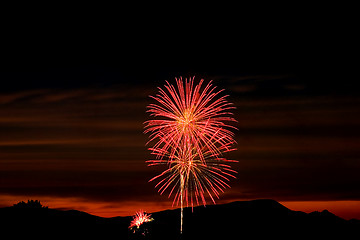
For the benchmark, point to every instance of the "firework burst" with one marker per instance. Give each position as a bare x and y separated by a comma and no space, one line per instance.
190,132
191,115
198,179
139,218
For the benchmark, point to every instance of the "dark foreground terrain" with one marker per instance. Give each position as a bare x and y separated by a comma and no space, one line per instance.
257,219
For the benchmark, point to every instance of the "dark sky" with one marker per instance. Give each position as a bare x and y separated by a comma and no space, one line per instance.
73,100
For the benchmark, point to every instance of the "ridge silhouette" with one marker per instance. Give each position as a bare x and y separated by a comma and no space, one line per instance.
256,219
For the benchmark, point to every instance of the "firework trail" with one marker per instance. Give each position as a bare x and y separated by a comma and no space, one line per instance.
190,132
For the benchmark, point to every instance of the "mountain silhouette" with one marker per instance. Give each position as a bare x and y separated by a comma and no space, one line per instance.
256,219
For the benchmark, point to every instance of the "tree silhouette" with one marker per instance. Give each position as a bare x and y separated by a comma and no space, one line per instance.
29,204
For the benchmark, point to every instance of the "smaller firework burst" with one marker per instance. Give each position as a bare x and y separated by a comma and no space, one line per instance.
139,218
193,179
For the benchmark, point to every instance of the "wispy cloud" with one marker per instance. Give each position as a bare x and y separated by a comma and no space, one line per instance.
6,98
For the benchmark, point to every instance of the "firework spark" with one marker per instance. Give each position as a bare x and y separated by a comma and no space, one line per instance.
190,133
139,218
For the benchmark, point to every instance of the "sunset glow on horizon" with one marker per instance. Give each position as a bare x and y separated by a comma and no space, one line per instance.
346,209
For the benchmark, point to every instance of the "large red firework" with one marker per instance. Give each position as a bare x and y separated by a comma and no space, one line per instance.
191,115
190,131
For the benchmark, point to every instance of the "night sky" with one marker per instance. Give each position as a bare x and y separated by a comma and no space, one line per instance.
73,102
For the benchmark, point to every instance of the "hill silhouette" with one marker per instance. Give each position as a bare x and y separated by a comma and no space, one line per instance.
257,219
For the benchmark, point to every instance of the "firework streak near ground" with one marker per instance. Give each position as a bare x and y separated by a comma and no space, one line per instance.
139,218
190,132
